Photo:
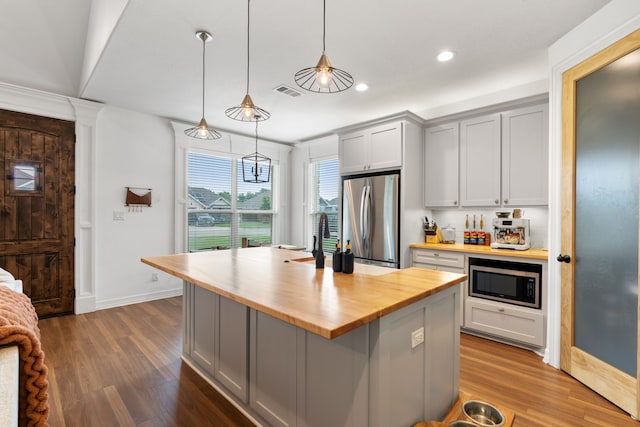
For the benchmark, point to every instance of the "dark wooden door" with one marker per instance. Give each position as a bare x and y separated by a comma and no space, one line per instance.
37,208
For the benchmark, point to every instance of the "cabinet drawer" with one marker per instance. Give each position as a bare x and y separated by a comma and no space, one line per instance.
439,258
505,320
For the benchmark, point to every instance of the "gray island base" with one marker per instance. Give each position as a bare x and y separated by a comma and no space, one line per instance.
292,345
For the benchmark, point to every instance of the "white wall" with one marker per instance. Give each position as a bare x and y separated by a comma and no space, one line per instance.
609,24
133,150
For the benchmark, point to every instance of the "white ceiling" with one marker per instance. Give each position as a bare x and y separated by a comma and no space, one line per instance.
148,59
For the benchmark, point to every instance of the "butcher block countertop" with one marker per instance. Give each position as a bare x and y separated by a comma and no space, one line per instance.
329,304
532,253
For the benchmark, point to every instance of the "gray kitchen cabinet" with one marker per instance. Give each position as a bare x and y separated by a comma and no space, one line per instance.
525,164
493,160
297,378
505,320
231,360
203,304
370,149
441,160
273,369
216,338
337,364
398,366
453,262
391,143
480,161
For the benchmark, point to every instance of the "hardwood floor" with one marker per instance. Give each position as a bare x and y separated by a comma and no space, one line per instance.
121,367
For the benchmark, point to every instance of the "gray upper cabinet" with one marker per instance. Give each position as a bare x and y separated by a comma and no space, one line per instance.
525,154
375,148
480,161
493,160
441,165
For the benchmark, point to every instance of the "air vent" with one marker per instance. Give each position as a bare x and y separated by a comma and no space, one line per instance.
287,91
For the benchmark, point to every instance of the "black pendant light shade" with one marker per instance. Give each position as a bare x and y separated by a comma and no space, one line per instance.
256,167
247,111
203,131
323,78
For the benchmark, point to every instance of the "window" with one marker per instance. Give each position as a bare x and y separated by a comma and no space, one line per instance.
325,189
24,178
222,209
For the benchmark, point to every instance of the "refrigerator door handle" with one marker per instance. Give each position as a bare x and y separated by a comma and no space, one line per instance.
363,196
366,235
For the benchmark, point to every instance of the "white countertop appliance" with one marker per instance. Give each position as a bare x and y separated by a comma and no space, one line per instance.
511,233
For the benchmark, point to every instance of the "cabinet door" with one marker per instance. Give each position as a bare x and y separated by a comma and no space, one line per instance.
441,157
273,369
231,347
480,161
385,147
504,320
202,345
525,142
354,152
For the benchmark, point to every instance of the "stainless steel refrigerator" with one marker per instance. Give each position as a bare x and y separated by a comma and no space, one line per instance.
370,217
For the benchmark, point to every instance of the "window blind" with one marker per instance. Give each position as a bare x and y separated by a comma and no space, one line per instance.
326,188
222,209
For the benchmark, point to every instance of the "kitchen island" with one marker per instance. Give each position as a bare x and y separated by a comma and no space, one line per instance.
292,345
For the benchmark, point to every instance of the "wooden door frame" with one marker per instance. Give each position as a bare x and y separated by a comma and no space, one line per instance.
622,389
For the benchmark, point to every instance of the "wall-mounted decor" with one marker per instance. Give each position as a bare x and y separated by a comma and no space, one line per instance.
137,198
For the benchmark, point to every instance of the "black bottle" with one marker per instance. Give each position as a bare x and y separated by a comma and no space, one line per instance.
347,259
337,258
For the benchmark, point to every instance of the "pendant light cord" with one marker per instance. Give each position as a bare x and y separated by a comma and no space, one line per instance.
256,138
203,36
248,28
324,23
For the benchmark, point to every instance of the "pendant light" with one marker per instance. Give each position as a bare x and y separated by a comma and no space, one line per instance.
203,131
256,167
323,78
247,111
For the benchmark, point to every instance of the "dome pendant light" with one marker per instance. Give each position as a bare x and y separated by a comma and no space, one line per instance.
323,78
247,111
256,167
203,131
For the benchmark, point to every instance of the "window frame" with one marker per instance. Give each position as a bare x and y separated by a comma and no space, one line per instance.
235,213
313,197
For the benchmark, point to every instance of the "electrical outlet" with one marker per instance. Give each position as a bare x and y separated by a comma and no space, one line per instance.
118,216
417,337
154,277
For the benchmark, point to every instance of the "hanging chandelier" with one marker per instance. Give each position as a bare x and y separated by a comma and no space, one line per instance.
203,131
256,167
247,111
323,78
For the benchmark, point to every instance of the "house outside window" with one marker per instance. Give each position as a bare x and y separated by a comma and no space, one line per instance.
325,183
222,209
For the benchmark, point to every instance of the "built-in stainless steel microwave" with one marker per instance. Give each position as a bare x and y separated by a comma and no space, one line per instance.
511,282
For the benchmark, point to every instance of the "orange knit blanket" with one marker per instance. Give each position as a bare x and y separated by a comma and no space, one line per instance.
19,326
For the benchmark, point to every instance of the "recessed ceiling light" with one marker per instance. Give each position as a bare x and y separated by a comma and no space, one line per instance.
445,55
361,87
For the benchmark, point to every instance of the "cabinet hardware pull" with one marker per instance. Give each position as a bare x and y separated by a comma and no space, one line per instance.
496,201
506,201
455,202
563,258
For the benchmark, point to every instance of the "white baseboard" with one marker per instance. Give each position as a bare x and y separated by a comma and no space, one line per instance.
135,299
85,305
